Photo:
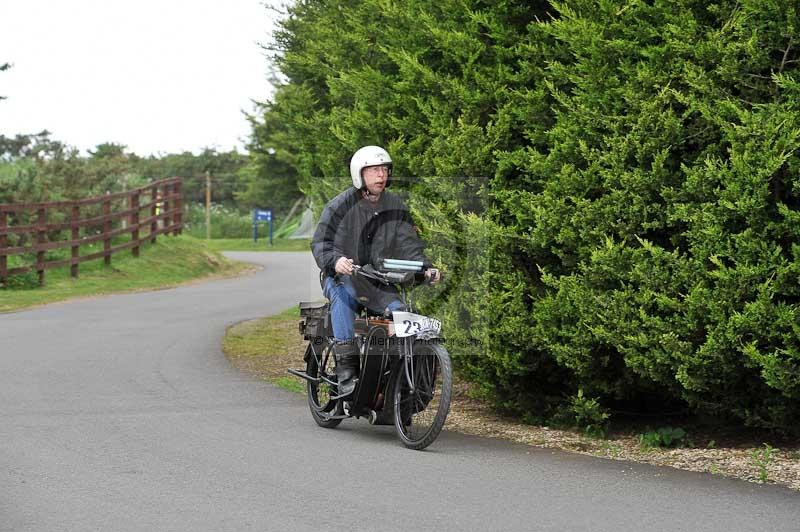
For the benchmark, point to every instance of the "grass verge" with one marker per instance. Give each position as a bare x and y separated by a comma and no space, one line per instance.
266,347
245,244
169,262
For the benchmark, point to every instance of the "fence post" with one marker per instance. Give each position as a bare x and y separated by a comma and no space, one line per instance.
167,225
154,212
41,237
135,222
208,205
3,245
106,231
178,208
76,235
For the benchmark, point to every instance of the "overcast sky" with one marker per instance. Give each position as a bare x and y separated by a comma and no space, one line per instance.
156,75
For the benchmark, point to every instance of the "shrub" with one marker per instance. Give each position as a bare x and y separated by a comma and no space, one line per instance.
585,413
613,193
663,437
225,222
22,281
762,459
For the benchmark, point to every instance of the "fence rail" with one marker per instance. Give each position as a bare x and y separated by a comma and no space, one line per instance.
34,229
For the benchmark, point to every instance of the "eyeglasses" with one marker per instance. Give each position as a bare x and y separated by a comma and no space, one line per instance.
378,169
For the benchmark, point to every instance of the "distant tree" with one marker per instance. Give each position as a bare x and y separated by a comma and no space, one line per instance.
36,145
223,167
269,180
107,150
110,168
34,167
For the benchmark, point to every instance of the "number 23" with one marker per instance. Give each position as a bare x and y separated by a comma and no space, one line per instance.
409,323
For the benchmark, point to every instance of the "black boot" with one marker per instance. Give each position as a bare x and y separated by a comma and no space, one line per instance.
346,367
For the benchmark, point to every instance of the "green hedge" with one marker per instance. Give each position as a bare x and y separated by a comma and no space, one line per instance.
613,188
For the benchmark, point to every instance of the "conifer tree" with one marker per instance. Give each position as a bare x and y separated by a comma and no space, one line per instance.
612,188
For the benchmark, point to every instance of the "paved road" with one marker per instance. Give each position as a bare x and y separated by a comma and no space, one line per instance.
121,414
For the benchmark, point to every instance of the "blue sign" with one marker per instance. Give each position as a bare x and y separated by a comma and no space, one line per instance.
262,215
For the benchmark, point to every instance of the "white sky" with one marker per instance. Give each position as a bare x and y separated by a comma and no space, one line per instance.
156,75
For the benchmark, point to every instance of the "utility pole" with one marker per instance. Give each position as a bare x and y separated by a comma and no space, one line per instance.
208,205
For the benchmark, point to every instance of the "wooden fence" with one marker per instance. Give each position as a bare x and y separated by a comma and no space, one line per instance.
29,231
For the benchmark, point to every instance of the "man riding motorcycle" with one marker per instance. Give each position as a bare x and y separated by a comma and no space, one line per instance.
360,226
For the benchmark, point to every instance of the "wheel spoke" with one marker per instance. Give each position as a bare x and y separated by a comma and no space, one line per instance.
420,415
319,393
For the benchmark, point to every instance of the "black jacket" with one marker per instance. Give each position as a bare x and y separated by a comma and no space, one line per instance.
352,227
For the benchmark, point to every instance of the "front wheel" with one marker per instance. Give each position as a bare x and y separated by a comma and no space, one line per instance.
321,365
422,394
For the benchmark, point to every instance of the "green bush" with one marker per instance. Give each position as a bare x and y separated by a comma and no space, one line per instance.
663,437
22,281
29,280
225,222
585,413
654,234
763,459
613,191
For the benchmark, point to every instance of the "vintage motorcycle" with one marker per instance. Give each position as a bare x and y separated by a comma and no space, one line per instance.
405,376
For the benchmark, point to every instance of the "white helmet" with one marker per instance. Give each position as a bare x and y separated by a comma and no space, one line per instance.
368,156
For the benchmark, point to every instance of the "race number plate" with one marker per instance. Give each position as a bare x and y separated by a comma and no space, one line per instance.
409,324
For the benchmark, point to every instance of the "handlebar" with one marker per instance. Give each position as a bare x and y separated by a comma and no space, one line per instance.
389,277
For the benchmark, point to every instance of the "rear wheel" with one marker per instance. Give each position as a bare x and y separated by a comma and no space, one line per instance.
321,366
421,406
